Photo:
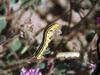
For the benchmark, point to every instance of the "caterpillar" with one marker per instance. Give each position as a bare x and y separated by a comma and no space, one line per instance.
98,47
48,32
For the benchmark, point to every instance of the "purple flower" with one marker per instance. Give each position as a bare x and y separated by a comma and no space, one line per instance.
30,71
92,66
98,20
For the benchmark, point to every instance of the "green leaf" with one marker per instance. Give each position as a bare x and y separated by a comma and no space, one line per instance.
89,35
2,38
10,54
24,1
3,23
12,2
2,7
59,72
15,45
2,64
42,65
47,51
24,49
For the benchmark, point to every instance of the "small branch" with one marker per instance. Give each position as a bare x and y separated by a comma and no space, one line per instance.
7,8
77,27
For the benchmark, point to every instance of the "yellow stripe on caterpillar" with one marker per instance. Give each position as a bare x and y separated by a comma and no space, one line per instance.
46,39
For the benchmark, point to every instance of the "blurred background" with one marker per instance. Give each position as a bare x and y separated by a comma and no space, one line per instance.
72,50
